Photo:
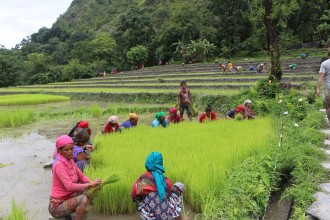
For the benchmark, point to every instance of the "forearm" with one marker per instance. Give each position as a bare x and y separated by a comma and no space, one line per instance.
320,81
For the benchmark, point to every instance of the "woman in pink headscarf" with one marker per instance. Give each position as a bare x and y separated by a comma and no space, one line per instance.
112,125
69,183
174,117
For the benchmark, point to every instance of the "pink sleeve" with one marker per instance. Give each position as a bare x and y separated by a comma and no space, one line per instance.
81,177
61,172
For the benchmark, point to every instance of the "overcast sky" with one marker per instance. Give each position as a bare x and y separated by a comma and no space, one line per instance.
21,18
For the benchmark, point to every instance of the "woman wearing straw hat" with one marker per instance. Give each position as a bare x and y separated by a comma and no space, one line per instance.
154,192
68,183
248,113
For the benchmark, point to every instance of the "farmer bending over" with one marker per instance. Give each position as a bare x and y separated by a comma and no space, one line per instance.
208,115
233,112
174,117
248,113
131,121
80,155
154,193
112,125
69,183
160,120
185,100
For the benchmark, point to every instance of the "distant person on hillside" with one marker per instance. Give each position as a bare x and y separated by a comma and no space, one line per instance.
131,121
293,66
233,112
222,67
303,56
251,68
230,66
160,120
112,125
238,68
174,117
248,113
185,100
142,66
261,67
325,78
208,115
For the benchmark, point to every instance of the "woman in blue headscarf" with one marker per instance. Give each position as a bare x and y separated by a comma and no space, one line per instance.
154,192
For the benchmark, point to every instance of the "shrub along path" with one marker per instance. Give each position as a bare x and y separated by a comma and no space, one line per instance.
320,209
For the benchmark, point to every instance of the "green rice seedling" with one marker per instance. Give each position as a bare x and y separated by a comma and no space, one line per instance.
30,99
16,118
17,212
198,155
4,165
96,111
110,179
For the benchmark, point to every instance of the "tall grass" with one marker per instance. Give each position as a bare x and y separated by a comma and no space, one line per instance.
17,212
16,118
30,99
198,155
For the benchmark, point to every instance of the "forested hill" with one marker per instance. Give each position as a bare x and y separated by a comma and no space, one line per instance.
97,35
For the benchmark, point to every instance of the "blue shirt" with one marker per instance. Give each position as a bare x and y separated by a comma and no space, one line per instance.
127,124
156,123
231,113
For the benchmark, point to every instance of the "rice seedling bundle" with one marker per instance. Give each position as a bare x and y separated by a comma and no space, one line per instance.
16,118
198,155
30,99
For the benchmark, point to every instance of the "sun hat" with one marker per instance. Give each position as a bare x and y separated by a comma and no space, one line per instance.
62,141
132,116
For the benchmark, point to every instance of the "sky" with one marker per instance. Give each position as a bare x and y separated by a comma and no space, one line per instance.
21,18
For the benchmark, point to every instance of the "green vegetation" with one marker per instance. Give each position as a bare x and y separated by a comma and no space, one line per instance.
30,99
200,159
16,118
17,212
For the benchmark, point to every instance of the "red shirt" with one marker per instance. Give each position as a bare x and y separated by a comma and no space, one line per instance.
109,129
175,119
203,117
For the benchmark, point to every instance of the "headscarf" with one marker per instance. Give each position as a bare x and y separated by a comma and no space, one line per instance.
80,135
247,101
63,140
113,119
240,108
132,116
173,110
154,163
159,115
84,124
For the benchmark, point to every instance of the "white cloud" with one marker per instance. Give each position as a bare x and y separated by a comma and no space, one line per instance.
21,18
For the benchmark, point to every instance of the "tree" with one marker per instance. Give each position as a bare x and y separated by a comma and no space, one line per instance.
137,55
10,67
274,14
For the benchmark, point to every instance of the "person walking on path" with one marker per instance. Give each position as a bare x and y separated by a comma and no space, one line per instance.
185,100
325,78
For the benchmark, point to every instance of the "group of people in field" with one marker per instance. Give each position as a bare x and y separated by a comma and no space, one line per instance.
155,194
228,66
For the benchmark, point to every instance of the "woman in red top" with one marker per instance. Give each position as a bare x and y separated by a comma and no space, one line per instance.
174,117
208,115
111,125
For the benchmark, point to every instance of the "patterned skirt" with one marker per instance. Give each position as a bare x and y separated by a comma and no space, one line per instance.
59,208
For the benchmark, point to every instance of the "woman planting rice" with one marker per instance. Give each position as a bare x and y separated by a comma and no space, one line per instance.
131,121
68,183
80,157
154,192
233,112
208,115
174,117
249,114
160,120
111,125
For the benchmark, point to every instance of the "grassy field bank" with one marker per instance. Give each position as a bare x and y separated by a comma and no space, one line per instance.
30,99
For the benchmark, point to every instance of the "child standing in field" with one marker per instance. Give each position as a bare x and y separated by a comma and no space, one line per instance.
185,100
